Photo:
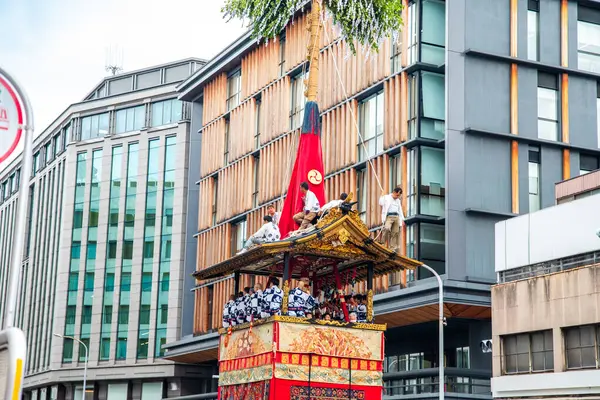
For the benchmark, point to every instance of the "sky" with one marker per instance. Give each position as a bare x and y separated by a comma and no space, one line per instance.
56,49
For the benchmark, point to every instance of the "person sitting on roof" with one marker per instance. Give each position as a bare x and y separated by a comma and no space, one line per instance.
267,233
229,313
271,299
273,213
299,301
311,207
333,204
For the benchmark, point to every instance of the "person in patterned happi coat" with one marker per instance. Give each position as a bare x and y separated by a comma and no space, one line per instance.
229,313
299,301
267,233
240,306
255,303
271,299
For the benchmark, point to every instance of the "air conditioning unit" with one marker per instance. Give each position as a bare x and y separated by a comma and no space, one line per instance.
486,346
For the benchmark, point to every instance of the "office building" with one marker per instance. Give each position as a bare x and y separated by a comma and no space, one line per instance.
477,111
106,249
545,319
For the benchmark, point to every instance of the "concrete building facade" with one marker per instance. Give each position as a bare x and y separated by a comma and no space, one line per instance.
105,258
545,316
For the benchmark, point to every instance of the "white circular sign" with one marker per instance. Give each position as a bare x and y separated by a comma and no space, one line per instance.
11,119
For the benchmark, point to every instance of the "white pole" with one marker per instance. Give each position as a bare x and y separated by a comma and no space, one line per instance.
441,323
21,221
84,365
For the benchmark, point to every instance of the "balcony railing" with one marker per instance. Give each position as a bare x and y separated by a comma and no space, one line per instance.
419,383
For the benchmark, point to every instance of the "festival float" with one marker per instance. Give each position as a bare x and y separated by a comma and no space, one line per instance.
284,357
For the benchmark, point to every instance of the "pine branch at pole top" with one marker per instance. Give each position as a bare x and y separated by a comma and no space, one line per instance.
314,45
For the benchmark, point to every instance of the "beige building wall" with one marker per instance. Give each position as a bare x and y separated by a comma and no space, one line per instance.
554,301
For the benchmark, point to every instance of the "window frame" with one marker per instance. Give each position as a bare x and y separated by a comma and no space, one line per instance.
378,138
595,346
547,347
534,161
296,111
234,98
533,11
549,83
591,16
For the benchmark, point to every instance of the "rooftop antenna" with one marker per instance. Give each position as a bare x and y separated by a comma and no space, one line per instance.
114,59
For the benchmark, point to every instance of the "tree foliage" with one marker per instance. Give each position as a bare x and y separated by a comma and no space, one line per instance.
367,22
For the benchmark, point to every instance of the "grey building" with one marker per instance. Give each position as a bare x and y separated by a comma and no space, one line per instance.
477,112
106,257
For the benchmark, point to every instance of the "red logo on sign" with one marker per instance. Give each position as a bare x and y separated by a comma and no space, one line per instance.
4,123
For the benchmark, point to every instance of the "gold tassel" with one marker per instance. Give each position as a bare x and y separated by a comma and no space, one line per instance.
370,306
286,295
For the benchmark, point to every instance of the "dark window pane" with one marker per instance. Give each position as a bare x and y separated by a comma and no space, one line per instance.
511,364
574,358
523,362
523,343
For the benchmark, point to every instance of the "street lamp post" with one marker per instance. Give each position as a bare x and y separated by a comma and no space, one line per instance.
58,335
441,322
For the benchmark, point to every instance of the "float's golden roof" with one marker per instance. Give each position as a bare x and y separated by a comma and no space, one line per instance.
339,238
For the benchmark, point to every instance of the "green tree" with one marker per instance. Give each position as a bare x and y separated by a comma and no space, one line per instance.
366,22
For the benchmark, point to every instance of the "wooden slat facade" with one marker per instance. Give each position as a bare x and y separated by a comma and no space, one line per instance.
261,146
213,147
216,91
275,110
339,137
241,138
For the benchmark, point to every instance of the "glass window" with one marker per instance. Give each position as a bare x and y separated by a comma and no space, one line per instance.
462,358
255,178
234,89
130,119
588,164
282,56
238,236
94,126
397,54
534,179
533,35
433,32
547,106
588,40
215,198
395,170
362,194
528,352
432,248
166,112
582,346
370,140
433,182
413,33
298,100
434,105
227,141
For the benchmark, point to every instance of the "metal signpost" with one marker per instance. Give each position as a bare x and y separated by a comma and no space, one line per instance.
16,126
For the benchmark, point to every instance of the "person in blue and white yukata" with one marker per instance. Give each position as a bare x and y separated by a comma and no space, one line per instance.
241,305
255,303
272,298
300,302
229,313
361,309
267,233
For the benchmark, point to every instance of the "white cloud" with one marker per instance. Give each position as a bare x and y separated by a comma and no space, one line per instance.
59,53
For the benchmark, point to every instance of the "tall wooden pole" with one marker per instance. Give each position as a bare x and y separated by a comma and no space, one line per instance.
314,46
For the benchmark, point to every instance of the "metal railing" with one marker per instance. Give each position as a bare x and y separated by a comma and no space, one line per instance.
418,382
549,267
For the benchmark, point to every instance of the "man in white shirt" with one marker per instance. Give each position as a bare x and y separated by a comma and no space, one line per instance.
392,217
273,214
333,204
311,207
267,233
